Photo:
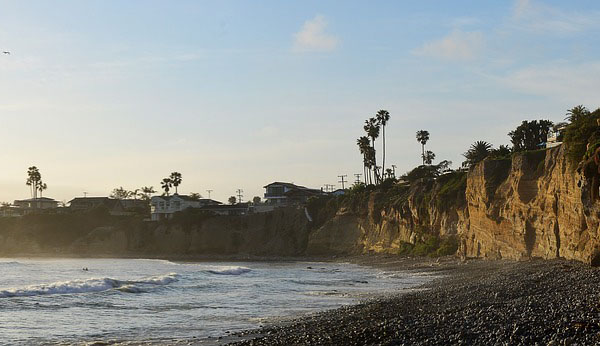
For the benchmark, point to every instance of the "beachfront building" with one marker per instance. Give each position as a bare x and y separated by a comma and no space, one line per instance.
41,203
113,206
555,135
228,209
163,207
284,194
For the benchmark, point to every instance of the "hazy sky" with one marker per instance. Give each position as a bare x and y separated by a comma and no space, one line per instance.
236,94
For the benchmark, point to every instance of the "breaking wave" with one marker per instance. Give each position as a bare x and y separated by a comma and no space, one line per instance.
88,286
229,270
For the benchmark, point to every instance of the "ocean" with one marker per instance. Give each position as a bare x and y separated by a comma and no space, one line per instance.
76,301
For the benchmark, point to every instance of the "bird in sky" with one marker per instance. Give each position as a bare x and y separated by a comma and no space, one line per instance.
6,52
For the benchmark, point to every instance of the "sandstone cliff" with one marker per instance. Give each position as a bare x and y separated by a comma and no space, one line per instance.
534,205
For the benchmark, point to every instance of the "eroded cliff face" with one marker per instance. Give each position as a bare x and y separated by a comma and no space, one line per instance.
534,205
542,209
385,230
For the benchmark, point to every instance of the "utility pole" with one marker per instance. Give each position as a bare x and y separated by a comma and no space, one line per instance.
342,177
394,170
240,195
209,191
357,175
85,194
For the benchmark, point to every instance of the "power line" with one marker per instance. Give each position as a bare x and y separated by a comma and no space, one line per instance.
342,177
209,191
240,195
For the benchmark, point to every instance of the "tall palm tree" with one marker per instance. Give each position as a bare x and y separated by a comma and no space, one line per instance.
423,137
166,184
363,145
34,178
383,117
372,127
41,188
175,179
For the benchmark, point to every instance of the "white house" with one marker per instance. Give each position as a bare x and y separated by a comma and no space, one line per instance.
163,207
555,135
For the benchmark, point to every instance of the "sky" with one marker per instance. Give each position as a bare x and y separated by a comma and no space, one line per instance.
100,94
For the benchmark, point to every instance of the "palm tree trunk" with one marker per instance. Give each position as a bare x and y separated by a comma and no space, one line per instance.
423,153
383,163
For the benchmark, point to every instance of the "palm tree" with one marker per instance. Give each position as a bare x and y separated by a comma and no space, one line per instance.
135,193
383,117
372,127
364,145
422,137
428,157
166,184
232,200
42,187
576,113
34,178
477,152
175,179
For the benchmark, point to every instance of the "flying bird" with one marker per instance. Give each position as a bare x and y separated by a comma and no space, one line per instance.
6,52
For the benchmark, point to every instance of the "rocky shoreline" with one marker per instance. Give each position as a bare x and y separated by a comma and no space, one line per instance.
536,302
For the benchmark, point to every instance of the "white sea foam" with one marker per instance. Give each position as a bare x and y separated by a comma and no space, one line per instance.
229,270
87,286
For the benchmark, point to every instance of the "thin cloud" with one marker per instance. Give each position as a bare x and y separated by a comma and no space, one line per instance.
457,46
313,36
539,17
574,84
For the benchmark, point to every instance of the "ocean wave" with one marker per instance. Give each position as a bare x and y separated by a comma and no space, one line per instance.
88,286
229,270
11,263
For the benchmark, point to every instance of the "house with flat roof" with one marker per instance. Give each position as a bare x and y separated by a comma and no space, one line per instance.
163,207
283,194
40,203
114,206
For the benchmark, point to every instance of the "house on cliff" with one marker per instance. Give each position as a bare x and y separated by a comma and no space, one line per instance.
163,207
113,206
284,194
26,206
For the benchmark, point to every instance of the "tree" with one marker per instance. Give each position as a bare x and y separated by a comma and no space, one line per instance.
423,138
135,193
175,179
195,196
147,192
383,117
41,188
256,200
428,157
576,113
232,200
120,193
364,146
530,135
34,179
372,127
501,151
477,153
166,185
